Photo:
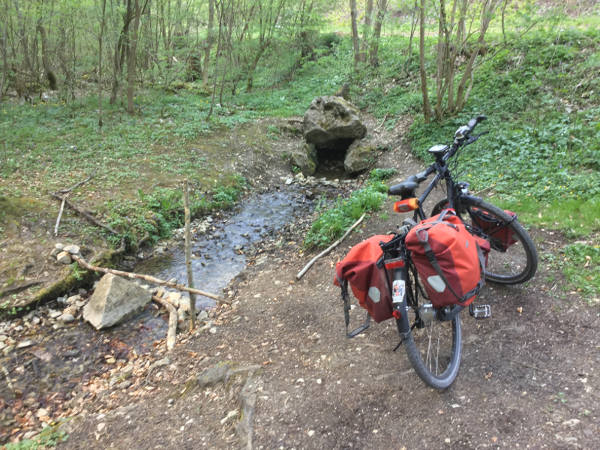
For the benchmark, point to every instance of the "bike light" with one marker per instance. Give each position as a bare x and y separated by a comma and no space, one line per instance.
397,314
406,205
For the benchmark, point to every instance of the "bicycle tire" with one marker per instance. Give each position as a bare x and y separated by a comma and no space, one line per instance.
513,265
420,353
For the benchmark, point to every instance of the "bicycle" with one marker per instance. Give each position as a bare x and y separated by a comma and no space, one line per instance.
433,337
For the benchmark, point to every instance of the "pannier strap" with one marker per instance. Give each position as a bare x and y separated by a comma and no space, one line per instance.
434,263
346,299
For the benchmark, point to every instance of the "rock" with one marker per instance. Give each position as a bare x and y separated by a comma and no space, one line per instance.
114,300
63,258
59,246
305,158
203,316
72,249
213,375
67,318
73,299
330,119
54,313
360,156
26,343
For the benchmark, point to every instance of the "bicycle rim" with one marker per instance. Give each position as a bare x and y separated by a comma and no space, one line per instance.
435,350
512,265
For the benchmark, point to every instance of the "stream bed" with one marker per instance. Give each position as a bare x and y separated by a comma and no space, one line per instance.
50,359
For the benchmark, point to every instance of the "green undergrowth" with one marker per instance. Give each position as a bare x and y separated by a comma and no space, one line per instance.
336,219
49,437
156,214
580,263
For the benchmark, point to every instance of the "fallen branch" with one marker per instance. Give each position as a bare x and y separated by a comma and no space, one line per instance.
76,185
331,247
62,207
172,331
149,279
86,215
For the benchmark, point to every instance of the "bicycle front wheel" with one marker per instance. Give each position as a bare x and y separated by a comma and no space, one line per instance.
434,350
512,263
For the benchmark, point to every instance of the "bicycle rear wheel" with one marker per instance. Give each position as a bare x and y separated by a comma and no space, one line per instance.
434,349
506,264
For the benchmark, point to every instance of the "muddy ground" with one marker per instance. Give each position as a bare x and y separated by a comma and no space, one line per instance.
278,371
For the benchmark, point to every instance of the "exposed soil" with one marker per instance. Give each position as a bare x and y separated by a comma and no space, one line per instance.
292,379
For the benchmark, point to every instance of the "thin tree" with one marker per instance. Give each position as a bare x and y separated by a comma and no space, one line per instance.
100,49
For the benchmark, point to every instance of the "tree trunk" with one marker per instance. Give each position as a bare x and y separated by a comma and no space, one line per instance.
100,49
366,35
120,49
426,105
374,48
5,68
131,56
209,40
45,57
355,38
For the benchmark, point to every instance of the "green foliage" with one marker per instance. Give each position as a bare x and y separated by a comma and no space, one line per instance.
382,174
49,437
158,213
333,222
580,264
542,152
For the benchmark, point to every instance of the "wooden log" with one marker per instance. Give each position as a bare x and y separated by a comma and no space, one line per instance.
149,279
328,249
172,331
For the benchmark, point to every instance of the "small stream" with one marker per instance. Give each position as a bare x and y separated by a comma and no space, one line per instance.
218,256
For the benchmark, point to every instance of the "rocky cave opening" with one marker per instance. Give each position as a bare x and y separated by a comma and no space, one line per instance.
330,158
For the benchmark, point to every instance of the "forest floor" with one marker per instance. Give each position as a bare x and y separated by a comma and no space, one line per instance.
278,372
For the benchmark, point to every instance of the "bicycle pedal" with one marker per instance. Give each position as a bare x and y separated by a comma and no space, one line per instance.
480,311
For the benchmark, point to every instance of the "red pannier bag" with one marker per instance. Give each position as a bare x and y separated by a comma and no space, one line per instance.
369,283
448,259
501,235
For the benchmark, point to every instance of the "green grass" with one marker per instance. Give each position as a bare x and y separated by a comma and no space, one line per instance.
335,220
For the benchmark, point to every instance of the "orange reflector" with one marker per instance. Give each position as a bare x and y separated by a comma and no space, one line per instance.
409,204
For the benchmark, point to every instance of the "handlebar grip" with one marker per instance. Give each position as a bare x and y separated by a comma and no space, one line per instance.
473,122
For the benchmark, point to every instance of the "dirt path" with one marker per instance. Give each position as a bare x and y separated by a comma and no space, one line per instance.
284,375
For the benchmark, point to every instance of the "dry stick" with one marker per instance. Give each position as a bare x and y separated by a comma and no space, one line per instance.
62,207
188,253
149,279
86,215
76,185
382,122
331,247
172,331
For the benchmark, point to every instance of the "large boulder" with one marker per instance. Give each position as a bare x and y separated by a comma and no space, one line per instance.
332,119
360,156
305,158
114,300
